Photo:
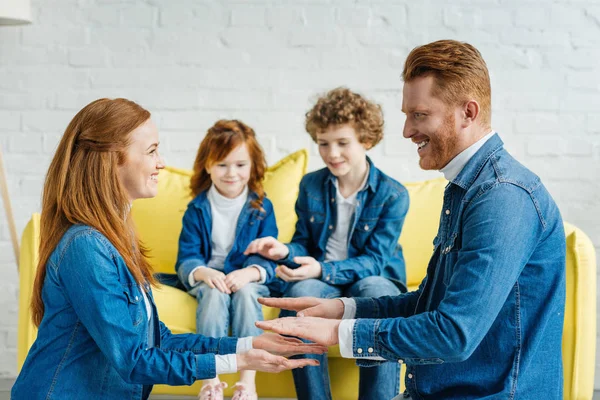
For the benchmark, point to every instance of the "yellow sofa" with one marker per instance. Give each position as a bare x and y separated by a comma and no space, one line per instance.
159,221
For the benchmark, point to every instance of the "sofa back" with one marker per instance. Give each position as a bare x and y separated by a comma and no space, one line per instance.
158,219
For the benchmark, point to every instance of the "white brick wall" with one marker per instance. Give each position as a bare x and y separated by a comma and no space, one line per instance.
191,62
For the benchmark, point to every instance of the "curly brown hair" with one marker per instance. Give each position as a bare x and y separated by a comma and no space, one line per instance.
342,106
220,140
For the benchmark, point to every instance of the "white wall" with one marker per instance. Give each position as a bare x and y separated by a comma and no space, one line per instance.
192,62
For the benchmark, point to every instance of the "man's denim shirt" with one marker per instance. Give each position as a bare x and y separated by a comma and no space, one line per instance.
93,340
486,322
195,245
373,247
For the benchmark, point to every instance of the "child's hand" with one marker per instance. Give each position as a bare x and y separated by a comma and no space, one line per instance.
239,278
309,268
213,278
268,247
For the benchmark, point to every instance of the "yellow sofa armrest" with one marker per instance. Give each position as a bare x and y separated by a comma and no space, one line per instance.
28,259
579,332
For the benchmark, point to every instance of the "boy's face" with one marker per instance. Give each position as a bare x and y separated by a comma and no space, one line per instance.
430,124
340,149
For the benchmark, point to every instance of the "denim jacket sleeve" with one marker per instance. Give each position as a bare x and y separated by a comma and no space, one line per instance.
403,305
195,343
89,275
189,255
301,239
267,227
378,249
501,229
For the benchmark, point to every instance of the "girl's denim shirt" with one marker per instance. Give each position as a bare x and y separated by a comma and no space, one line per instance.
195,239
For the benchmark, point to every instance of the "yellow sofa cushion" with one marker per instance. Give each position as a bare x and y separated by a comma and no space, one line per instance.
158,220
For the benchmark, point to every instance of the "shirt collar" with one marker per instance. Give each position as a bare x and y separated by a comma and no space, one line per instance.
350,199
453,168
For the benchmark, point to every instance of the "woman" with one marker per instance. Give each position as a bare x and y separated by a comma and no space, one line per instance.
99,333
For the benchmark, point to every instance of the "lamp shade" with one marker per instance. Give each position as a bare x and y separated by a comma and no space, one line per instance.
15,12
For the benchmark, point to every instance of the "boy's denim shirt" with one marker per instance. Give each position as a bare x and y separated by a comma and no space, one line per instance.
487,320
195,246
373,247
93,340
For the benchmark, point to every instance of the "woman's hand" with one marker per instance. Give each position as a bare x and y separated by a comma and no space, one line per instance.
261,360
215,279
285,346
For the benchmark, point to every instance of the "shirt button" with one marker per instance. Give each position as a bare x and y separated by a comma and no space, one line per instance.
447,212
327,277
359,351
370,349
136,298
410,376
330,227
400,361
333,200
312,219
366,227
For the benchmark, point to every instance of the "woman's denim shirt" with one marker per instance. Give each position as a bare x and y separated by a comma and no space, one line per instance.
92,342
195,244
487,320
373,248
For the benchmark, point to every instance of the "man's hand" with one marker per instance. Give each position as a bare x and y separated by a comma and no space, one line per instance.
261,360
213,278
268,247
308,306
309,268
285,346
235,280
319,330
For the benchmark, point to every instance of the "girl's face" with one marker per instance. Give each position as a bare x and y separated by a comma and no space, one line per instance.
231,175
340,150
139,173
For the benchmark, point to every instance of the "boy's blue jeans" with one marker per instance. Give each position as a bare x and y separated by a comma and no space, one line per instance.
218,311
376,383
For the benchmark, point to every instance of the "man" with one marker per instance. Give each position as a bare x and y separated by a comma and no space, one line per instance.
486,322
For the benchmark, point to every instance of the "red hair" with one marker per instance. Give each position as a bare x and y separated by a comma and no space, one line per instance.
220,140
82,187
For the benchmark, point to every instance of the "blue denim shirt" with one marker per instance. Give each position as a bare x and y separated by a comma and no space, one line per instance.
195,245
93,339
486,322
373,248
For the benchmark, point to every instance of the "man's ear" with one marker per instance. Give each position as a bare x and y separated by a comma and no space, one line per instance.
470,113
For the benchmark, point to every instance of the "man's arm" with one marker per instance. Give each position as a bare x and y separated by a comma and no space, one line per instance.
484,273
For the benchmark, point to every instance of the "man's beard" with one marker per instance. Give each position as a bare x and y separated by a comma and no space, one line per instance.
442,146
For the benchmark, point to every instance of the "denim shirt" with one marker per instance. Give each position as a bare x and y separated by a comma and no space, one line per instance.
486,322
92,342
195,239
373,248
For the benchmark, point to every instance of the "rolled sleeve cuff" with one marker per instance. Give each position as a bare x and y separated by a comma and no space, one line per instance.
226,364
364,339
262,271
327,273
345,333
186,268
191,281
228,345
349,307
243,345
205,366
